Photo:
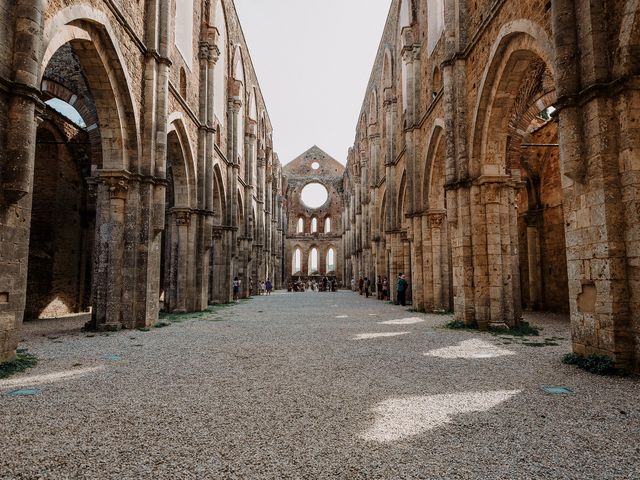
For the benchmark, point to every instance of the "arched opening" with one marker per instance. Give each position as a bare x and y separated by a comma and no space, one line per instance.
300,226
62,222
515,136
331,261
85,87
314,268
176,262
438,270
296,267
327,225
314,225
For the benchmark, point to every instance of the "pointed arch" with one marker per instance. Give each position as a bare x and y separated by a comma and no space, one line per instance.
91,37
220,72
219,196
434,149
519,43
179,146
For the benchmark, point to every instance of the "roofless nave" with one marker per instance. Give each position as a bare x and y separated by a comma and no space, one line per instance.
495,164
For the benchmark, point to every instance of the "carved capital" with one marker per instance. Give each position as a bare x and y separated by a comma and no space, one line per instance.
436,219
117,186
182,216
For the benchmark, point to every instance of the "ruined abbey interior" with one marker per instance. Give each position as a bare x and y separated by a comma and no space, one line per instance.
145,217
495,164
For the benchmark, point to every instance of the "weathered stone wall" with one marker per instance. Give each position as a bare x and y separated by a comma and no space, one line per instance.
298,174
465,119
118,65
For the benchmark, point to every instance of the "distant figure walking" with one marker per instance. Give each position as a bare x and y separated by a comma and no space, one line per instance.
401,289
236,289
361,285
353,284
379,288
367,286
385,289
268,286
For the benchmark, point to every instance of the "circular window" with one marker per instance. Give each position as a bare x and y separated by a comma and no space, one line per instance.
315,165
314,195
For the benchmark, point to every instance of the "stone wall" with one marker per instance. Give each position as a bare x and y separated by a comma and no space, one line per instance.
561,235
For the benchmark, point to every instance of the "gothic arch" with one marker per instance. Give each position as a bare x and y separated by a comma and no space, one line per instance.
628,53
436,141
184,172
89,33
519,44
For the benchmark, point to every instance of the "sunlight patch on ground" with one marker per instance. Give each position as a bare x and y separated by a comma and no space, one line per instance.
403,321
49,378
342,316
366,336
473,348
400,418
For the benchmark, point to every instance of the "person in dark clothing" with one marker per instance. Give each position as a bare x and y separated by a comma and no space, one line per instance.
385,289
367,286
361,285
401,289
379,287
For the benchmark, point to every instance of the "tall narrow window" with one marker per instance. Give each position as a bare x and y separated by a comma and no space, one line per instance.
314,225
297,261
327,225
313,261
300,228
331,261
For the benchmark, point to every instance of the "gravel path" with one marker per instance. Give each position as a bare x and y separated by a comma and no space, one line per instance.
312,386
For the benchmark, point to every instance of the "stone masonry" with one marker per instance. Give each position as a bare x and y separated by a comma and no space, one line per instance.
496,164
165,189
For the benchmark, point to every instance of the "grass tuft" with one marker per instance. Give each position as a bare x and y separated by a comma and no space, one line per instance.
597,364
22,362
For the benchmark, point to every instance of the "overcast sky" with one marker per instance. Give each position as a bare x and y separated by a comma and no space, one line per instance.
313,59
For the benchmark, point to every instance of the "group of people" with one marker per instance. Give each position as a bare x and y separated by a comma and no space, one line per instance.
382,288
264,288
326,285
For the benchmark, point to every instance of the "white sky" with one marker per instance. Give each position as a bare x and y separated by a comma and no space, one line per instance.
313,59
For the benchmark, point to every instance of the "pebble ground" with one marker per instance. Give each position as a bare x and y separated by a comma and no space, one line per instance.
301,386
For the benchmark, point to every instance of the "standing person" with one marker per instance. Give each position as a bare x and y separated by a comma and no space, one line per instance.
268,286
402,290
325,281
361,285
333,285
367,286
353,284
236,288
379,287
261,290
385,289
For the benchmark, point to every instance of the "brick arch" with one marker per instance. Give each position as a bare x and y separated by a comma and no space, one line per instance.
521,126
518,45
88,32
435,140
84,108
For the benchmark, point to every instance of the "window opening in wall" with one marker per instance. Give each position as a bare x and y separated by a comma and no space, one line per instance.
67,111
183,83
331,261
300,228
315,165
313,261
314,225
297,261
314,195
327,225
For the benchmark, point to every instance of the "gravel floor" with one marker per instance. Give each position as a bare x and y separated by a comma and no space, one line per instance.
306,386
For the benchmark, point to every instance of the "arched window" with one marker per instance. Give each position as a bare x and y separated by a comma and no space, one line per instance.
313,261
183,83
300,228
314,225
331,260
297,261
327,225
